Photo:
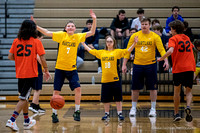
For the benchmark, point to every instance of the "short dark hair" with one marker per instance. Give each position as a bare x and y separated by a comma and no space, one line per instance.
27,30
140,11
197,43
158,27
89,21
121,12
155,21
145,20
177,25
133,29
175,7
70,21
185,24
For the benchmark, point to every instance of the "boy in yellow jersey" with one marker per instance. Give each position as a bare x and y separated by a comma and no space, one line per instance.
144,65
111,89
66,60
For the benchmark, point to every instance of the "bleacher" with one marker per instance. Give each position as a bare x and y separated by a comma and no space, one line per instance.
53,15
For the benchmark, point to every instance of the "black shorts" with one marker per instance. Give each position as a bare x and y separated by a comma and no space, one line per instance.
184,78
39,80
111,91
25,86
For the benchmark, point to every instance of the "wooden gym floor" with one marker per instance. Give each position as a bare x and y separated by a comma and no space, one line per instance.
91,113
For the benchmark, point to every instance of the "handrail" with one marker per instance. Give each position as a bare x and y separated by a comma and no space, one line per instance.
6,16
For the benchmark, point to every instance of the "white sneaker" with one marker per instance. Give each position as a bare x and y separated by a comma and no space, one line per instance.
12,125
30,124
132,112
99,70
152,113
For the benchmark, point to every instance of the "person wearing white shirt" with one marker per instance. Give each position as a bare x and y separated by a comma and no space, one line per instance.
136,23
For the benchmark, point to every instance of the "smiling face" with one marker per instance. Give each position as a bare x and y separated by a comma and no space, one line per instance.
70,28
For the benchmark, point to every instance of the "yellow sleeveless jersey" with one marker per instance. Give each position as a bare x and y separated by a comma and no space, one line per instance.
146,47
109,63
67,51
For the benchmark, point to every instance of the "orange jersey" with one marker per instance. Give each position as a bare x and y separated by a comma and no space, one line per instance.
25,54
182,57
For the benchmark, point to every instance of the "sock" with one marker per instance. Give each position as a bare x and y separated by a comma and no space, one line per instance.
54,111
188,107
134,105
14,116
119,112
77,107
26,118
153,105
107,113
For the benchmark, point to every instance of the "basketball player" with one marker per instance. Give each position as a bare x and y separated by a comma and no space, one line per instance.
111,83
144,66
24,52
181,50
66,60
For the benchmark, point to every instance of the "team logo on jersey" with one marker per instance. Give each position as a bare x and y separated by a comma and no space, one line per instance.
115,78
144,49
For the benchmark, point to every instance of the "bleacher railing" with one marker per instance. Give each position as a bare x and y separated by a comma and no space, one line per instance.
6,16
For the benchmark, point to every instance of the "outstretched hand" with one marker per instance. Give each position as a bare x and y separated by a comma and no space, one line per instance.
92,14
33,19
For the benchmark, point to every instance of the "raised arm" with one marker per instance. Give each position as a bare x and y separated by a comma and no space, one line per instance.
86,47
93,29
42,30
133,45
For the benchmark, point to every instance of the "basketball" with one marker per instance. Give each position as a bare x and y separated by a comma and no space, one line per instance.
57,102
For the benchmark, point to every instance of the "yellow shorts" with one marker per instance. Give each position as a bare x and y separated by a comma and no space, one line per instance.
197,71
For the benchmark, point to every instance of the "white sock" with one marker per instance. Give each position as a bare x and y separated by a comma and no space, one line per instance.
118,112
107,113
153,105
134,105
54,111
77,107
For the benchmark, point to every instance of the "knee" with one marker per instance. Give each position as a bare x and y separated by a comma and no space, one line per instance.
78,90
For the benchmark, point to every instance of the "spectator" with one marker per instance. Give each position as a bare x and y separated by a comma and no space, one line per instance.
136,23
92,42
157,22
188,31
131,31
120,25
175,16
197,53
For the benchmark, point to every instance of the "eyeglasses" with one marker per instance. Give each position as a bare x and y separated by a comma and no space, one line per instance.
109,41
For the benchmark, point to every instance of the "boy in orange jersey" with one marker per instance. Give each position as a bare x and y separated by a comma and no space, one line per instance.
24,52
180,48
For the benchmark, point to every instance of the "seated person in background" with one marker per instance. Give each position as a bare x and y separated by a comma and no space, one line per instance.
188,31
175,16
120,25
157,22
158,29
92,42
136,23
197,53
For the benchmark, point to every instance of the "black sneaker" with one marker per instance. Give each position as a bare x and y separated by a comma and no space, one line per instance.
120,117
177,117
188,117
55,118
76,115
33,108
40,110
106,117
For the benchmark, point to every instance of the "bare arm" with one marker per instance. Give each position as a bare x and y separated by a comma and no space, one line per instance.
93,29
124,68
86,47
133,45
168,53
11,56
44,65
38,59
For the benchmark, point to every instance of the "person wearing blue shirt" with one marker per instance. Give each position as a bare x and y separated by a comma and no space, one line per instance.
175,16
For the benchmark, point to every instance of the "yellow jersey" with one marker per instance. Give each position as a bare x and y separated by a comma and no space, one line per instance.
67,51
109,63
146,47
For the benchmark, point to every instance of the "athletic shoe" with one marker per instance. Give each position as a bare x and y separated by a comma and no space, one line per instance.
177,117
152,113
12,125
31,123
99,70
33,108
132,112
40,110
188,117
106,117
55,118
76,115
120,117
